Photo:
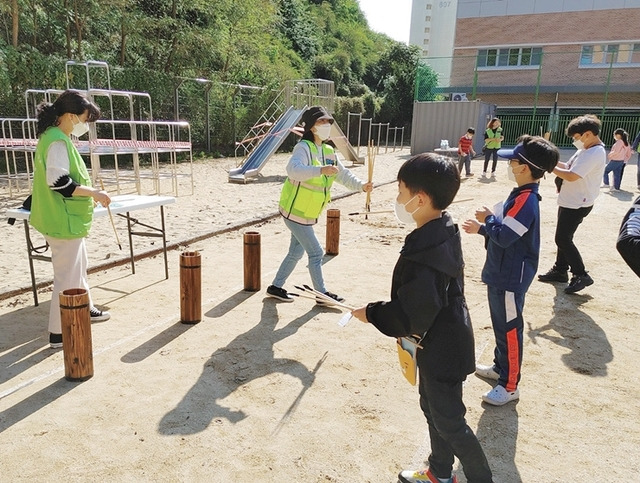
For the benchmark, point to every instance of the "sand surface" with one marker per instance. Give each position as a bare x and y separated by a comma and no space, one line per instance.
267,391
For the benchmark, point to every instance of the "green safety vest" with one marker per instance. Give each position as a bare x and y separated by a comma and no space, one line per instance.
51,213
491,142
303,201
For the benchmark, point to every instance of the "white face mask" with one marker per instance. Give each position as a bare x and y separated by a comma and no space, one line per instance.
510,175
323,131
578,144
80,129
402,214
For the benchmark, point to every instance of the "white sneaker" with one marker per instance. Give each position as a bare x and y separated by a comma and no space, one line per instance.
484,174
498,396
487,372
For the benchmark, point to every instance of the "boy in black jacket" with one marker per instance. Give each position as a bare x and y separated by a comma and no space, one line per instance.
427,299
628,243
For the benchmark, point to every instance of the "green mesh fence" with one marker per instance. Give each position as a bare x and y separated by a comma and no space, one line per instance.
545,86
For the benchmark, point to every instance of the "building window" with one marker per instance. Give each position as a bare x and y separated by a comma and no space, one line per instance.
425,53
509,57
603,55
427,18
427,30
428,6
425,41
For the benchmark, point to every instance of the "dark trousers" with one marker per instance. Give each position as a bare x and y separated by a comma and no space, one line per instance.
441,403
487,154
568,256
464,160
505,309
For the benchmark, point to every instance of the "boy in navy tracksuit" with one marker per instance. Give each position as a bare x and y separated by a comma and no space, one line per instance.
427,299
512,236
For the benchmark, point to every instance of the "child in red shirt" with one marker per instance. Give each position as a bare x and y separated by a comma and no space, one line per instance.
465,151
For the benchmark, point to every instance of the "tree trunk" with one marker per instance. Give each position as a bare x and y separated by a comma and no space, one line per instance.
172,50
67,28
123,43
34,12
78,24
15,21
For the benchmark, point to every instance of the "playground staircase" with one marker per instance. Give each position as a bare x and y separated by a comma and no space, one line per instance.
266,146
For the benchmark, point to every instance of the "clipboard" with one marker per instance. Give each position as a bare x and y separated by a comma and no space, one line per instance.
407,356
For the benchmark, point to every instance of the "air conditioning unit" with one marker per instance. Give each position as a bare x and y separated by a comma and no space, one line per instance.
459,96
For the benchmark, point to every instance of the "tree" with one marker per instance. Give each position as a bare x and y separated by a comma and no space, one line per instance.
397,74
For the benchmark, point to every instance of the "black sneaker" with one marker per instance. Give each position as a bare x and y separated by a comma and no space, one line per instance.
55,341
578,282
99,315
279,293
554,275
321,301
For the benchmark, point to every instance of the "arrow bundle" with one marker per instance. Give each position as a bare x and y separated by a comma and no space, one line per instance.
324,299
371,159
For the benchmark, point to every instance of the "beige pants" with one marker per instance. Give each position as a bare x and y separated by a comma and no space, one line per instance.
69,258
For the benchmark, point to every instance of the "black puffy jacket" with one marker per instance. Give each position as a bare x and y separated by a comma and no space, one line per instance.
427,298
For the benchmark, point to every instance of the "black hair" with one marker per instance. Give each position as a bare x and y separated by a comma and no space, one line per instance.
307,135
582,124
623,134
471,130
542,154
438,177
70,101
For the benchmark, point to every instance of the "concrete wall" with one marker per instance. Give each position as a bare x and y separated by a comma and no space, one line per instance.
434,121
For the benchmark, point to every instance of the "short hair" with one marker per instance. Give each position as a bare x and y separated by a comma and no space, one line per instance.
582,124
438,177
541,155
471,130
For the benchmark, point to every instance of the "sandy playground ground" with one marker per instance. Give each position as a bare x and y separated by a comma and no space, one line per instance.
267,391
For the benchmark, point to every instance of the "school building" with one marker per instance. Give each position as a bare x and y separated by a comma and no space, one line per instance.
548,58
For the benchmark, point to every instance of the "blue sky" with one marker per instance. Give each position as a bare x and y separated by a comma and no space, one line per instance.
391,17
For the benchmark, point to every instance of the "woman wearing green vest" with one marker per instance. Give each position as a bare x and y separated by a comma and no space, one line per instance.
62,198
492,141
311,171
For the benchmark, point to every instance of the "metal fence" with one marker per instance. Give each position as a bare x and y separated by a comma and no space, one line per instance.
516,124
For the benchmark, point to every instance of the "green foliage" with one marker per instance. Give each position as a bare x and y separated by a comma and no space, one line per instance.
426,82
151,44
345,105
398,67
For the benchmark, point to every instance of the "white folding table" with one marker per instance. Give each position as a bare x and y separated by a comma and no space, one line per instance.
121,205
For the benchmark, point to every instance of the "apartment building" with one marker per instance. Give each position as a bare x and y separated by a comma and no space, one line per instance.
433,25
524,53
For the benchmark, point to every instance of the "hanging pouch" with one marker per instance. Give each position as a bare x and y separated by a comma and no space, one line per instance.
407,355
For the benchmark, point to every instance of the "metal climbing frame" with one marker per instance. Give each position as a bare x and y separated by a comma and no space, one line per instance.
114,136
